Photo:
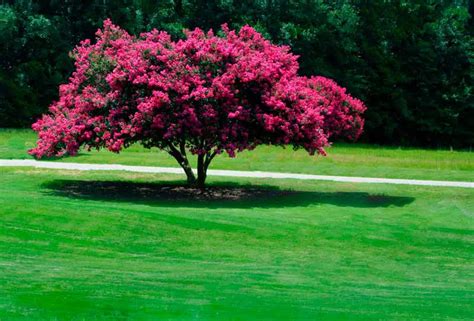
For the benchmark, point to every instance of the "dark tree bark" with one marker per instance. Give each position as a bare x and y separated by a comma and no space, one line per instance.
202,172
182,160
203,162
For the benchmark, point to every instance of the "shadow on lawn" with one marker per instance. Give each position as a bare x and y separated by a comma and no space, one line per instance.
216,195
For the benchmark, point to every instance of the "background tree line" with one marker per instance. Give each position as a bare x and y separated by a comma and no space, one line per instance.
411,62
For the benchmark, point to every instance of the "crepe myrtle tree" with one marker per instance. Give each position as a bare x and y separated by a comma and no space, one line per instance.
205,94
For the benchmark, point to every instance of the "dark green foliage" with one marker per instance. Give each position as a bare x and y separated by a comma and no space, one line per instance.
419,73
33,61
410,61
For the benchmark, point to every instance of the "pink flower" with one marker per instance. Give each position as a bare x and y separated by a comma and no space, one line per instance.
210,93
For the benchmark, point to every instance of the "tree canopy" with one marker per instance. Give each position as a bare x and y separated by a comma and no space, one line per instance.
205,94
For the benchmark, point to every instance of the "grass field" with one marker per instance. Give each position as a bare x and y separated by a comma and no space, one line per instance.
342,159
115,246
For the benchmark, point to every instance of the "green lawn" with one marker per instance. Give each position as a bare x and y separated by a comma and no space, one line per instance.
119,246
107,246
342,159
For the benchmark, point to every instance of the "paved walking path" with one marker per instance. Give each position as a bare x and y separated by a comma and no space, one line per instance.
217,172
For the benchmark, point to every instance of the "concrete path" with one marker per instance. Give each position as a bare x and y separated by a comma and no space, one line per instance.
217,172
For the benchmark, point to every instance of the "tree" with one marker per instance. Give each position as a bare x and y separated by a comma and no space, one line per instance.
30,64
205,94
419,72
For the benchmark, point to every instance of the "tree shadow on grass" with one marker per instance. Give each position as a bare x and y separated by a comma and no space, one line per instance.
216,195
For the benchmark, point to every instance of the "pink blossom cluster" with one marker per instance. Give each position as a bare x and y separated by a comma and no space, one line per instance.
208,93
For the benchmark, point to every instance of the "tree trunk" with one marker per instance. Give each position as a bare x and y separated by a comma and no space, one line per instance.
190,177
202,171
182,160
203,162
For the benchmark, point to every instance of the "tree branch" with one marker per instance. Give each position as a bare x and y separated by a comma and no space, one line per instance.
209,158
183,162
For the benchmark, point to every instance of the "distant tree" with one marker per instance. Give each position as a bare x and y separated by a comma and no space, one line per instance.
205,94
419,72
30,64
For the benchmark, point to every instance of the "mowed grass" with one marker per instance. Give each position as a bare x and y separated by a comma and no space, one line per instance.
112,246
342,159
107,246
